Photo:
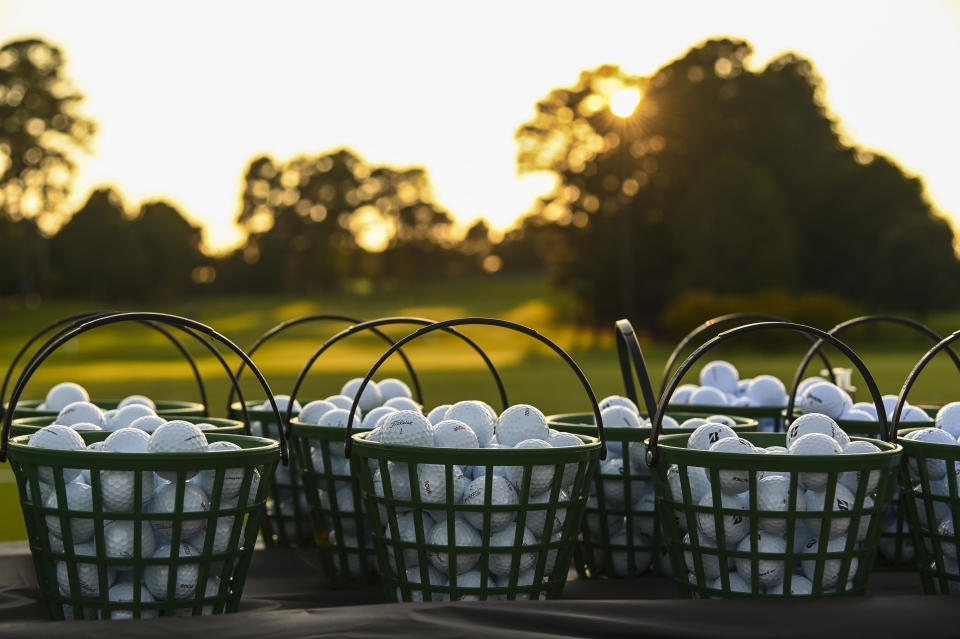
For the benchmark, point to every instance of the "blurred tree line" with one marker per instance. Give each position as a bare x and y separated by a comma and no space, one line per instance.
724,182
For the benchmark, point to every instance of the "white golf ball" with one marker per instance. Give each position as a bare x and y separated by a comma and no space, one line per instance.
616,416
799,585
127,440
340,401
851,479
541,476
720,375
164,503
502,493
369,399
707,396
682,394
734,481
232,477
618,400
186,576
119,539
313,411
814,444
407,530
708,434
477,416
825,398
856,415
403,403
465,536
710,562
914,414
948,419
88,575
124,417
769,571
136,399
283,401
64,394
148,423
417,585
80,412
453,434
407,428
473,579
500,564
177,436
831,567
642,556
371,419
433,483
773,496
123,593
57,437
767,390
438,414
814,502
392,387
814,423
79,498
85,426
521,422
735,526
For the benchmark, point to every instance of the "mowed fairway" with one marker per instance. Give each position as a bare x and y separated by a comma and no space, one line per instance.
115,361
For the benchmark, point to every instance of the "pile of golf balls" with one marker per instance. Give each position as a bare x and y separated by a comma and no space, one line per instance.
626,488
75,410
155,500
720,385
470,424
809,434
940,474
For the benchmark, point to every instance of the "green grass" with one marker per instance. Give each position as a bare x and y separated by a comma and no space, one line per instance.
116,361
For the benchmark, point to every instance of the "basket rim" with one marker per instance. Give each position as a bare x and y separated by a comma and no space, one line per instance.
102,460
475,456
889,453
946,450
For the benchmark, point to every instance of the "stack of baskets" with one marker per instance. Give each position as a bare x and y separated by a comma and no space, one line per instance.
510,560
711,528
101,550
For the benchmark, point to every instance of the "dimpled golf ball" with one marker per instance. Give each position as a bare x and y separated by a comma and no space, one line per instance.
232,477
402,403
407,428
451,433
177,436
477,416
537,518
814,444
127,440
339,418
737,583
57,437
164,503
814,502
697,480
313,411
618,400
392,387
855,415
64,394
464,536
340,401
185,580
399,483
369,399
799,585
644,504
283,401
948,419
521,422
734,481
708,396
620,556
735,526
936,468
824,397
371,419
720,375
769,571
119,539
773,496
124,417
148,423
438,414
682,394
433,578
616,416
123,593
541,476
88,575
85,426
407,533
831,567
813,423
473,579
80,499
708,434
693,423
500,564
709,562
80,412
433,483
136,399
767,390
851,479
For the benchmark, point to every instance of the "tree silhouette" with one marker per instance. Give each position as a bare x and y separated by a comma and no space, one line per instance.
727,179
40,129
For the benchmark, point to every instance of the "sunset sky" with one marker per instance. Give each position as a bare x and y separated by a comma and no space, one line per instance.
186,93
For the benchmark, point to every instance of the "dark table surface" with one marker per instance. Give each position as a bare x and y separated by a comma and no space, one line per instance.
285,597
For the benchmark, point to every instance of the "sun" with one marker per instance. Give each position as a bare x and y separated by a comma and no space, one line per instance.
624,102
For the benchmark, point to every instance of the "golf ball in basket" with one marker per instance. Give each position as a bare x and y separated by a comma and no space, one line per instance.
124,417
642,556
537,519
773,495
369,399
177,436
136,399
825,398
433,483
79,498
57,437
312,412
501,563
64,394
734,481
519,423
148,423
80,412
831,567
403,403
123,593
88,575
736,526
164,503
451,433
372,418
720,375
186,576
438,414
708,396
708,434
541,476
392,387
502,493
815,444
948,419
232,477
618,400
407,428
477,416
465,536
119,539
769,571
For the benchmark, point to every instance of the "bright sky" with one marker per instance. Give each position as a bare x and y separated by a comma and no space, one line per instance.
185,93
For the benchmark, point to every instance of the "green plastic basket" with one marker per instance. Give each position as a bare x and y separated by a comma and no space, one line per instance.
331,485
28,425
172,409
287,522
930,494
519,551
701,534
91,561
896,551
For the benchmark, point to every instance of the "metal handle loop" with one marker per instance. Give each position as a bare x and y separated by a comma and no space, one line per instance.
864,319
373,325
283,326
729,319
629,351
483,321
653,452
915,373
191,327
75,320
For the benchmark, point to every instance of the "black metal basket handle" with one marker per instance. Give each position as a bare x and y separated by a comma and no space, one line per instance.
475,321
915,373
856,321
74,321
629,351
653,452
373,325
191,327
720,320
283,326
